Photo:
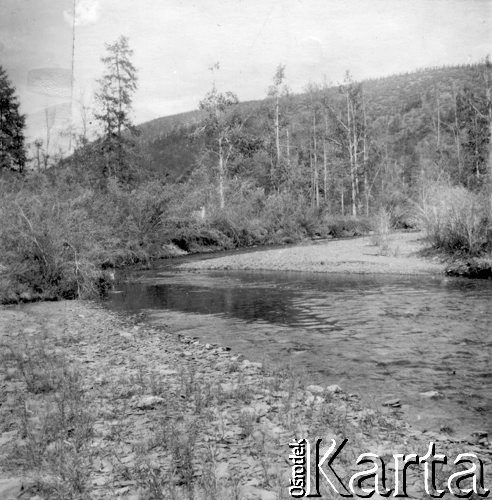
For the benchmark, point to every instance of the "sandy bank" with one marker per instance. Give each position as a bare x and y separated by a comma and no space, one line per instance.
95,405
357,256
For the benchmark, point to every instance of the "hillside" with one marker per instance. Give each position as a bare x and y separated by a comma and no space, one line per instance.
173,149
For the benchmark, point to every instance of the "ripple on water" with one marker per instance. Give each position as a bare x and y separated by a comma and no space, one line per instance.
372,335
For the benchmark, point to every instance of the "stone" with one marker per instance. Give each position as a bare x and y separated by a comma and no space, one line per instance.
481,434
430,394
254,493
221,470
280,394
269,429
149,402
167,372
228,387
394,403
131,496
10,488
6,437
315,389
129,459
335,389
123,491
251,364
313,400
100,481
256,410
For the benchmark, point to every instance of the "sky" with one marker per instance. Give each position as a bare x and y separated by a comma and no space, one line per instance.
175,42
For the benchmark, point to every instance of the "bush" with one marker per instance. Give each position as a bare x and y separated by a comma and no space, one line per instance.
45,244
456,220
342,227
400,209
286,217
382,226
195,236
56,240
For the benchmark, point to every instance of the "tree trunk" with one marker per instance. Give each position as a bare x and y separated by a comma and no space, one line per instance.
457,134
325,162
221,175
438,119
365,155
119,146
488,94
351,157
477,160
356,159
288,149
38,157
366,192
315,156
325,172
277,131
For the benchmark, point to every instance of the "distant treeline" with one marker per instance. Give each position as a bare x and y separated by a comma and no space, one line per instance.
401,131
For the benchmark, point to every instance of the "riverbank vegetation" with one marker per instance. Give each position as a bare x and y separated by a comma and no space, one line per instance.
408,152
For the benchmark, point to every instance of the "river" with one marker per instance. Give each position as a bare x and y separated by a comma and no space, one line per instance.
378,336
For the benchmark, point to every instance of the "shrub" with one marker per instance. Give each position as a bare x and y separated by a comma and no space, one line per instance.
341,226
382,226
284,215
45,244
400,209
456,220
56,241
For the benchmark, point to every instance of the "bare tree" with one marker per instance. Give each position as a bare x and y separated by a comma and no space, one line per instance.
277,91
220,126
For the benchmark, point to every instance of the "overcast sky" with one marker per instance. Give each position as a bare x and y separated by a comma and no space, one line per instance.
176,41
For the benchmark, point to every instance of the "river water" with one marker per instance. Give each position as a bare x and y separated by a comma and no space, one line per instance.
377,336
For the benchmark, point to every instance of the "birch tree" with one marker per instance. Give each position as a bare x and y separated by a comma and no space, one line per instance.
220,127
351,121
277,92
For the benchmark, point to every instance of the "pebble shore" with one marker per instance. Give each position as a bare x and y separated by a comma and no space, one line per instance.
354,256
147,390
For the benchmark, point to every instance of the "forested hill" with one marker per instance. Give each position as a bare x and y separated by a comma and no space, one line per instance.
408,104
170,145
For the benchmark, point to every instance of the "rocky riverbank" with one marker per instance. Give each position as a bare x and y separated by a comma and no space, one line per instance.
477,268
401,254
97,406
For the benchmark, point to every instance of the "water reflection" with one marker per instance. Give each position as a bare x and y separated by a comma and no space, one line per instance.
373,335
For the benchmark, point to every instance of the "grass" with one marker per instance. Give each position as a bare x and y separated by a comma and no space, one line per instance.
55,423
215,433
